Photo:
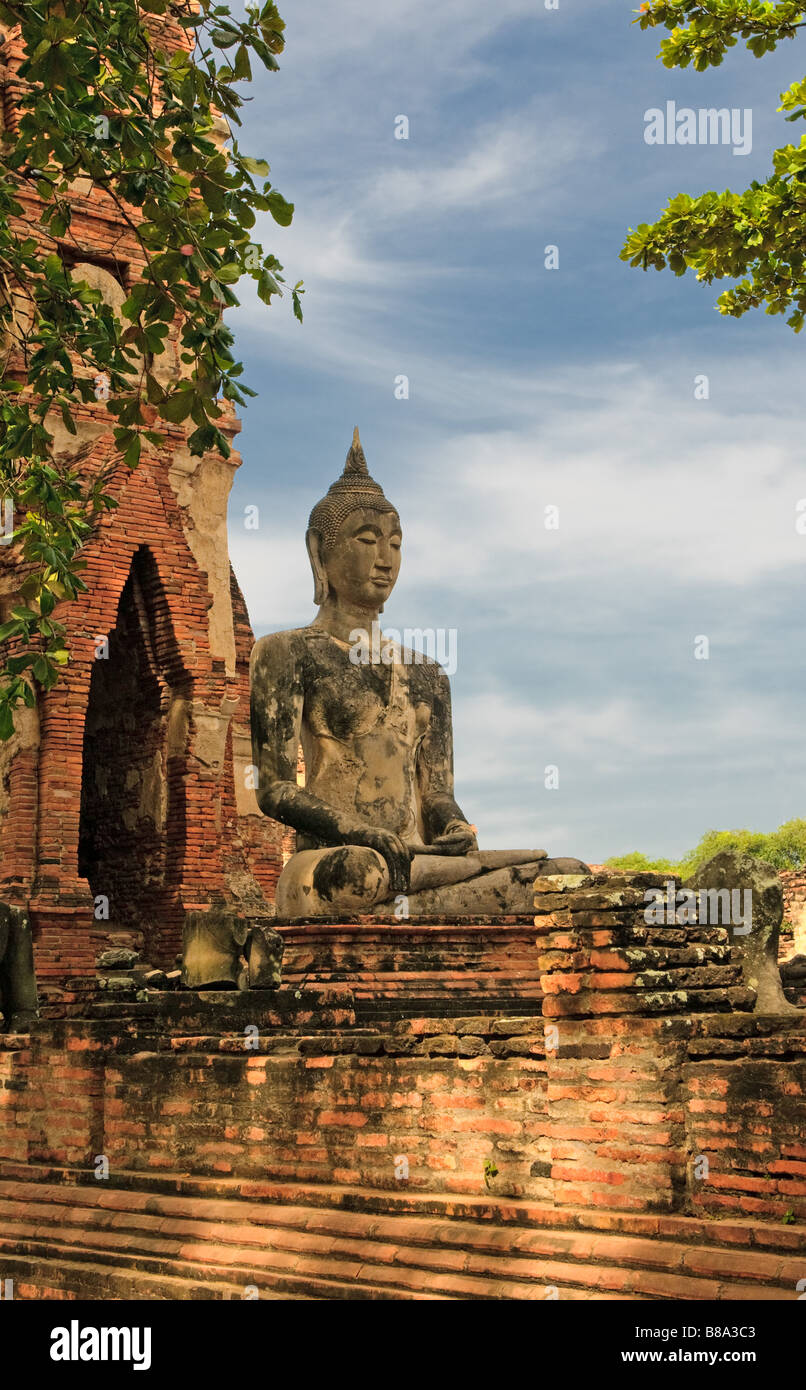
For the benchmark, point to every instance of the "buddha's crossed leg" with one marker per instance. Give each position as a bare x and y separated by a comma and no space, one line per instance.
355,879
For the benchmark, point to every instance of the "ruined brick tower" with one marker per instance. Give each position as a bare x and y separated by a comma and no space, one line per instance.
127,789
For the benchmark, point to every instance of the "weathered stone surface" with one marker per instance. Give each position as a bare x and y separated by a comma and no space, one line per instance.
503,858
264,956
18,996
117,958
119,984
794,968
440,870
212,946
758,949
224,951
376,818
501,890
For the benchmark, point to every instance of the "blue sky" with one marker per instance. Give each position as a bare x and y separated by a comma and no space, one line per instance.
532,387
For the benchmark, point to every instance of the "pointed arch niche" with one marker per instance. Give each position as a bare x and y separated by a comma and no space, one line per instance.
132,827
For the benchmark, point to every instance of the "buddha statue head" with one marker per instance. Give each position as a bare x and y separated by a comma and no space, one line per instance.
353,538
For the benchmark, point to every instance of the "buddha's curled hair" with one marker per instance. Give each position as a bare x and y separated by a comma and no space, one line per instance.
354,489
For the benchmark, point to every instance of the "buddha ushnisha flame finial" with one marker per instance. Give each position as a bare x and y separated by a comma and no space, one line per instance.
355,488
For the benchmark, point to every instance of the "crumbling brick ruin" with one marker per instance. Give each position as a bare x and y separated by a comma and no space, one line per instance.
567,1103
125,796
575,1105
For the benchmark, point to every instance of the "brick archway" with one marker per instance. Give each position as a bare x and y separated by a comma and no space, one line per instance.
132,829
130,783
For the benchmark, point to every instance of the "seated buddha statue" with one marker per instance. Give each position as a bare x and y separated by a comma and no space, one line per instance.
376,819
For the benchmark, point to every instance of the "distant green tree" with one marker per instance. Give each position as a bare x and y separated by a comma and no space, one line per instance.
638,863
787,847
713,841
784,848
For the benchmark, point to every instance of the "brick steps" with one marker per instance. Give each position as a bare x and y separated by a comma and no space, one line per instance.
371,1009
410,1246
37,1278
733,1233
404,967
78,1270
320,1254
490,1209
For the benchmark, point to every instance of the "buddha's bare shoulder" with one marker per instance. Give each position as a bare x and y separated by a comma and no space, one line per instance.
418,659
424,671
413,656
281,647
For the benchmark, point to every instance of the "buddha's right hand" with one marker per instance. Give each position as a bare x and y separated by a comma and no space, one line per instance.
393,850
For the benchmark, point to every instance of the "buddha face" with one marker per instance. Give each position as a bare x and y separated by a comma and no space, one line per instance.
364,563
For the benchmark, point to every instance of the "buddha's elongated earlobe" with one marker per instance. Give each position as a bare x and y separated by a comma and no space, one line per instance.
313,541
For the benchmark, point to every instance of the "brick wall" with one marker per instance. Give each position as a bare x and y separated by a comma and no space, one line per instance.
744,1101
442,1098
129,782
646,1086
344,1117
793,882
656,1061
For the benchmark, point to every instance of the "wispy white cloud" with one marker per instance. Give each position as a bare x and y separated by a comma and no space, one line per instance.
504,161
677,516
657,489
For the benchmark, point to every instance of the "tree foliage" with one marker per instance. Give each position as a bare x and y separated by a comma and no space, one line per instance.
756,237
637,863
107,101
784,848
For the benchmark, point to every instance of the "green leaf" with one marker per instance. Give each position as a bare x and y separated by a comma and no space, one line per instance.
267,286
16,664
229,273
224,37
132,455
243,68
59,222
256,166
281,211
177,407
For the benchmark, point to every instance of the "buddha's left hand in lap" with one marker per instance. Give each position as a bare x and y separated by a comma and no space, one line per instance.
457,838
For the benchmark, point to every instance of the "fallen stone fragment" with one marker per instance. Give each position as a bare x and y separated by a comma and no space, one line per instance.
118,984
756,950
117,958
264,956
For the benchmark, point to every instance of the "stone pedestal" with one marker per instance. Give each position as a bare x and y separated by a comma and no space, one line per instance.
435,966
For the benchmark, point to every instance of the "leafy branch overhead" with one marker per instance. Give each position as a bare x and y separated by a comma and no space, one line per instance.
132,102
756,237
